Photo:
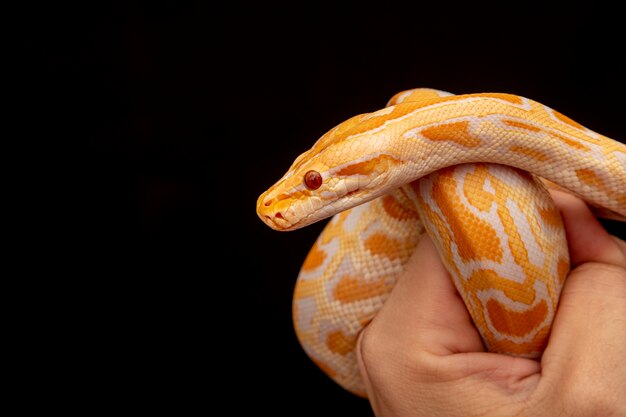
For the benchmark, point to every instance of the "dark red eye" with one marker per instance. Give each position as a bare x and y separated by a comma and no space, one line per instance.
313,180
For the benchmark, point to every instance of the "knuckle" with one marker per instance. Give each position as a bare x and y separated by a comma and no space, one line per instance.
602,268
368,347
373,348
384,355
601,278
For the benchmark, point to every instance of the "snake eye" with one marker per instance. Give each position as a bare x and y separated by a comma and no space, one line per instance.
313,180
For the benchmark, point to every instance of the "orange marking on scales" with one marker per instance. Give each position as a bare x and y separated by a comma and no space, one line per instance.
306,288
372,121
486,279
314,259
531,348
457,132
516,323
590,178
381,162
350,289
474,188
380,244
570,142
521,125
516,243
338,342
396,210
502,96
564,119
464,224
530,152
551,217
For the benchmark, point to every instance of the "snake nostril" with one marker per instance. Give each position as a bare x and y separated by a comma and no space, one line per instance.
268,203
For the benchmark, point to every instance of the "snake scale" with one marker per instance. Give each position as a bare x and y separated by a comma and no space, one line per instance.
470,170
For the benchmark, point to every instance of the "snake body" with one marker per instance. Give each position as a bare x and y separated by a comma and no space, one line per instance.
471,171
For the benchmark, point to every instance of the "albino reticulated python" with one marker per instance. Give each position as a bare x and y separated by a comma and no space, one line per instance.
472,171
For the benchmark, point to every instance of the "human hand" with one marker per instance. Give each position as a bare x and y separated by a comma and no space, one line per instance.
421,355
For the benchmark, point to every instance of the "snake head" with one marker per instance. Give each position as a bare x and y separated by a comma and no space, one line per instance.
295,198
346,167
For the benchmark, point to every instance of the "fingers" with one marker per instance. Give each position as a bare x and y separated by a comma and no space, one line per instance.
588,241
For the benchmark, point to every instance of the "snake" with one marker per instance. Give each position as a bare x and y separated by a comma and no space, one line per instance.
473,172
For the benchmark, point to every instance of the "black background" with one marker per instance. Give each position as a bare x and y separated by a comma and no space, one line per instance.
181,114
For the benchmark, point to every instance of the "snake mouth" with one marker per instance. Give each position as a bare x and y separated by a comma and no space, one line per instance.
276,222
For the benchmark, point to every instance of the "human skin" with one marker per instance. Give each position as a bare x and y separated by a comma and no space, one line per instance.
421,355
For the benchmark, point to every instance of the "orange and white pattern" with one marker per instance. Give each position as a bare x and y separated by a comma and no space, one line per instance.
470,170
